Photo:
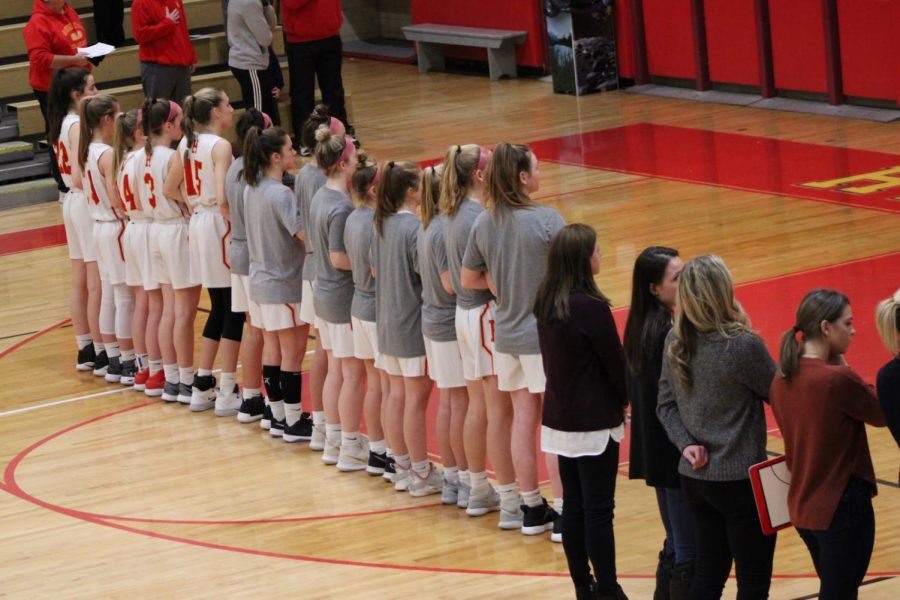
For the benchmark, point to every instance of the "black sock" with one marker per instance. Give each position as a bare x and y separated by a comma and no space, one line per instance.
272,381
290,386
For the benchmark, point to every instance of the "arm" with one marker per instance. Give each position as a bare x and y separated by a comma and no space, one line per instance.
753,366
74,138
105,165
39,46
173,187
221,155
340,260
858,399
447,283
604,338
257,21
151,21
337,252
473,280
667,411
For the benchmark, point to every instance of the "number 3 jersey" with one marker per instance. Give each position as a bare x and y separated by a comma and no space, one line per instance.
199,171
152,172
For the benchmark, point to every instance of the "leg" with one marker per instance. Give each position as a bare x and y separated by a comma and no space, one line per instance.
331,391
302,70
395,412
350,401
598,485
78,300
166,334
251,358
328,59
753,551
212,330
181,84
372,402
416,393
499,431
713,552
154,314
574,542
526,418
681,521
183,332
475,428
430,57
317,374
442,429
95,291
139,319
459,403
124,300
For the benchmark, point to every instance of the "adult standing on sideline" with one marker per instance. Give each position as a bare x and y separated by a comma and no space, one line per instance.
887,318
164,48
53,35
715,378
818,400
312,38
108,15
249,25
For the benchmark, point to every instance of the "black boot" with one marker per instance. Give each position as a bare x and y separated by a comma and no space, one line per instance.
680,584
619,594
584,592
663,574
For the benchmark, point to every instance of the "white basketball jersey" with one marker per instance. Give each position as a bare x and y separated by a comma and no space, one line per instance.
98,198
66,156
199,172
126,181
153,177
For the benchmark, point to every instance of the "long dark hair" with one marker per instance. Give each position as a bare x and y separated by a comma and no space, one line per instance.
568,270
252,117
503,188
59,98
647,317
398,178
817,306
259,146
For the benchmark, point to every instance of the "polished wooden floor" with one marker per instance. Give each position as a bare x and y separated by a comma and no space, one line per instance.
108,495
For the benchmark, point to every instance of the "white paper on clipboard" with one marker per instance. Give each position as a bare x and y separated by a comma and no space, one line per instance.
771,481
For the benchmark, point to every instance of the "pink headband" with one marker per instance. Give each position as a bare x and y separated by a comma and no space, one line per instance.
348,148
140,117
377,175
483,154
334,125
174,111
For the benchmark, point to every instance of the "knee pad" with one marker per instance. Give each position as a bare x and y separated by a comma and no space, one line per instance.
107,308
124,301
233,328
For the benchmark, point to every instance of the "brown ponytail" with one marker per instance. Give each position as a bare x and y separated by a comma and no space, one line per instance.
502,184
431,191
460,164
126,125
92,111
398,178
198,111
817,306
259,146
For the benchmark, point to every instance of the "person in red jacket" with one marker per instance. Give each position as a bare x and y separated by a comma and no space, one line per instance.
164,48
313,43
53,35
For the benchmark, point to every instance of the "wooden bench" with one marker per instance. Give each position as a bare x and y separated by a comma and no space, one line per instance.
500,43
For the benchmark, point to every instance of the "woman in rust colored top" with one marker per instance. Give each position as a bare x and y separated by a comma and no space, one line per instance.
822,407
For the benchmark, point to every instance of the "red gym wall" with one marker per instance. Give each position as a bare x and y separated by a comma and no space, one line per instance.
835,48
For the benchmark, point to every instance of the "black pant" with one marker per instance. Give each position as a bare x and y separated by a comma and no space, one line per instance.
256,89
841,553
54,168
308,61
108,15
589,488
728,527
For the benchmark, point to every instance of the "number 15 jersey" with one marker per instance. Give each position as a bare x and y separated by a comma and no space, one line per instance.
199,171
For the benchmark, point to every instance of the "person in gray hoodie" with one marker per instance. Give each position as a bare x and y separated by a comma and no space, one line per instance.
248,27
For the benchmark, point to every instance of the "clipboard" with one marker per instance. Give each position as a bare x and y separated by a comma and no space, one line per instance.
770,481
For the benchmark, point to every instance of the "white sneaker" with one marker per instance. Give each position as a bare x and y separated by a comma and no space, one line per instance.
332,452
509,519
400,479
433,483
462,498
450,492
317,441
353,457
484,502
227,405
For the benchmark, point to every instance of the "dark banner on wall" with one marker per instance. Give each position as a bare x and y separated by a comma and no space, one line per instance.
582,45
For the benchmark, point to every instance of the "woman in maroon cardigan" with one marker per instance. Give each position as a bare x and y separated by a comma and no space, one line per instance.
822,406
584,405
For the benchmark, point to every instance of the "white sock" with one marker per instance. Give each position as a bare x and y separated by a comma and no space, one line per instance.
451,474
558,505
509,497
479,482
349,437
277,410
226,383
128,355
422,469
389,452
291,413
156,366
332,432
83,341
112,350
141,361
402,461
319,418
464,477
186,375
171,373
532,498
251,393
377,447
204,372
98,348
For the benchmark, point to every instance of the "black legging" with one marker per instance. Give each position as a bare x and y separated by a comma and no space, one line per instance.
222,321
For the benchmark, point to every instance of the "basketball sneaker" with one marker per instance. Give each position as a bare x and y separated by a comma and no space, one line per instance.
389,469
266,421
332,451
155,384
86,357
432,483
276,429
170,391
101,363
129,372
317,441
252,409
113,370
202,393
462,498
140,380
377,463
556,535
354,456
510,519
184,393
400,478
449,492
301,431
227,405
483,503
538,519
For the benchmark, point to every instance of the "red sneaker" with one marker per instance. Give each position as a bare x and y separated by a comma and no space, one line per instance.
155,383
140,380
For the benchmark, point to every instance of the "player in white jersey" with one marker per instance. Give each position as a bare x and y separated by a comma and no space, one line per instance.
67,88
129,153
204,158
161,121
95,157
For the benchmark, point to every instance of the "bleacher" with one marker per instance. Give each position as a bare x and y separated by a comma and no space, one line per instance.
24,162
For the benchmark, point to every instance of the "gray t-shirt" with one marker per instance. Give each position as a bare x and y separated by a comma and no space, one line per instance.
358,234
398,287
512,245
438,307
309,179
456,236
234,194
276,255
333,289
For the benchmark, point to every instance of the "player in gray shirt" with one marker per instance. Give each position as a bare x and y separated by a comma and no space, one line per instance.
333,287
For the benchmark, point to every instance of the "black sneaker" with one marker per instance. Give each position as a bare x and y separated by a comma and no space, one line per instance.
170,392
101,363
114,370
389,469
266,421
556,536
86,357
377,463
301,431
204,383
538,519
129,371
252,409
277,428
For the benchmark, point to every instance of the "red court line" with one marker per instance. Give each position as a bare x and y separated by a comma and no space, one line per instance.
32,239
33,337
744,162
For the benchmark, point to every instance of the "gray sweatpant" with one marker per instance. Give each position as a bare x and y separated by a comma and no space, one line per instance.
172,82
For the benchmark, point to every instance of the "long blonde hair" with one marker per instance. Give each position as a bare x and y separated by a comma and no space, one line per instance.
431,191
706,304
503,188
887,319
458,178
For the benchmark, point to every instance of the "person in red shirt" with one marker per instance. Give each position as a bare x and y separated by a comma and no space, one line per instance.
53,35
164,48
313,44
822,406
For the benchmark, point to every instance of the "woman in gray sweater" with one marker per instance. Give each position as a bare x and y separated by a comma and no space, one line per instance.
715,378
